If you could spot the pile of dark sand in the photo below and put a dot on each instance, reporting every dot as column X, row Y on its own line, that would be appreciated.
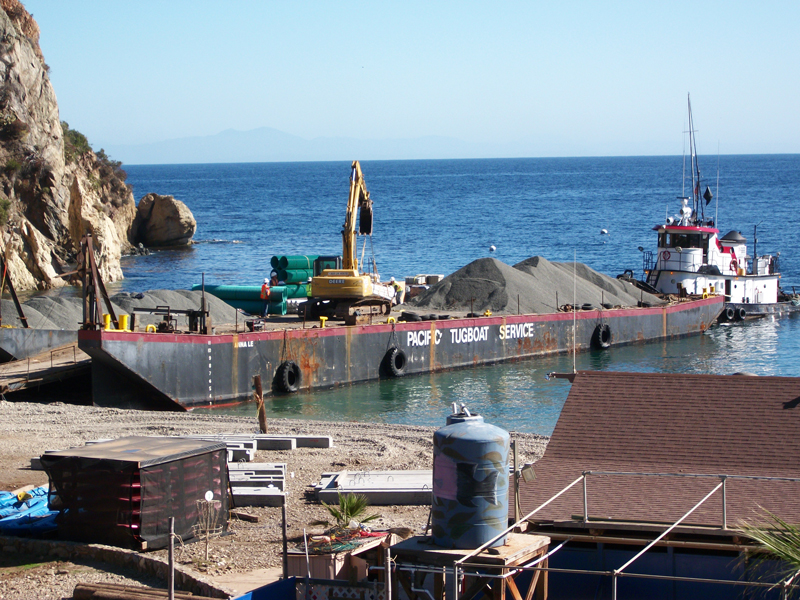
column 534, row 285
column 220, row 312
column 66, row 312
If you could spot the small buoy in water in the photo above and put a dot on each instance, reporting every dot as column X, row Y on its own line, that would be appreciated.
column 492, row 248
column 604, row 232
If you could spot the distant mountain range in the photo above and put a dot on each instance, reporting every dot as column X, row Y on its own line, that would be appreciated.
column 267, row 144
column 271, row 145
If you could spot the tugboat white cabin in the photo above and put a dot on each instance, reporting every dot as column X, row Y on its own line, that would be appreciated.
column 693, row 259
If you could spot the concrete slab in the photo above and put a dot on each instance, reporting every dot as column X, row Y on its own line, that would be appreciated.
column 239, row 448
column 380, row 487
column 267, row 441
column 257, row 496
column 246, row 480
column 260, row 468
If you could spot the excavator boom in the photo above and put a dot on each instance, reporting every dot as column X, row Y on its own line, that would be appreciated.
column 346, row 293
column 358, row 200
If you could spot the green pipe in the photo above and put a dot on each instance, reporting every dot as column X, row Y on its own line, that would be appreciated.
column 295, row 290
column 232, row 292
column 297, row 262
column 295, row 275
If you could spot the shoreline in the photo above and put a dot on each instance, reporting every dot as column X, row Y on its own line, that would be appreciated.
column 30, row 428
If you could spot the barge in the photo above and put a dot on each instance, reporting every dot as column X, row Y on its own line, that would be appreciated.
column 181, row 371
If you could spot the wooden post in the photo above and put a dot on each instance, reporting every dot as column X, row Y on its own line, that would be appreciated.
column 285, row 539
column 171, row 554
column 387, row 572
column 262, row 414
column 7, row 278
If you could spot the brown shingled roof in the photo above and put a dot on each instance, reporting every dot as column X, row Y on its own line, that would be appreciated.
column 655, row 422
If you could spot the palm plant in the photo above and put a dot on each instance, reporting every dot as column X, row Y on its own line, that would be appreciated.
column 779, row 540
column 351, row 508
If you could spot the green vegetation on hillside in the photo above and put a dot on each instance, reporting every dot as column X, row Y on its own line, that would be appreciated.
column 5, row 204
column 75, row 143
column 110, row 171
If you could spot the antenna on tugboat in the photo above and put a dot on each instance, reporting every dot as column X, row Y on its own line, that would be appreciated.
column 697, row 206
column 574, row 302
column 683, row 175
column 716, row 204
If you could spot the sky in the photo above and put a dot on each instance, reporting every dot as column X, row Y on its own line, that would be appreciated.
column 569, row 78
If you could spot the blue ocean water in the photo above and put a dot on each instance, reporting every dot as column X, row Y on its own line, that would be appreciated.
column 435, row 216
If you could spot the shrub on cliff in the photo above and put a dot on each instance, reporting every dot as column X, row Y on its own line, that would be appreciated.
column 5, row 204
column 110, row 175
column 75, row 143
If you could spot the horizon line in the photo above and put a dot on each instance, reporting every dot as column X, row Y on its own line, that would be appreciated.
column 262, row 162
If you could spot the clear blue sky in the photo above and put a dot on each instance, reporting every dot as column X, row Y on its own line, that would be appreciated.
column 566, row 78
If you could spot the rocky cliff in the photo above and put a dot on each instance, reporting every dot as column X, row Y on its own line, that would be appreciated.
column 52, row 190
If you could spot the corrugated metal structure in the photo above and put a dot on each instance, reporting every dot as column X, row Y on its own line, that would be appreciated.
column 123, row 492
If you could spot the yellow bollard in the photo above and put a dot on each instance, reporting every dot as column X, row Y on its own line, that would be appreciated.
column 391, row 320
column 107, row 322
column 322, row 322
column 150, row 328
column 123, row 322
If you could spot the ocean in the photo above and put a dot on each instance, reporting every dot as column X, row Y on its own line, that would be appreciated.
column 435, row 216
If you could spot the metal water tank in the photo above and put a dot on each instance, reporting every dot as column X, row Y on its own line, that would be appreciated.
column 470, row 482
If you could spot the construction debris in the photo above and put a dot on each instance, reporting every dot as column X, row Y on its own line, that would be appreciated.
column 257, row 484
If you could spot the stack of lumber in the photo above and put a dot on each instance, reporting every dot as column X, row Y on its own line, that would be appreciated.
column 113, row 591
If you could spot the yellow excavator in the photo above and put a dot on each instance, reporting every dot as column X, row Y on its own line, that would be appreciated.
column 348, row 294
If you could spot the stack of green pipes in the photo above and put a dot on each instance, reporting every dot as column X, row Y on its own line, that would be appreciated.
column 293, row 269
column 248, row 297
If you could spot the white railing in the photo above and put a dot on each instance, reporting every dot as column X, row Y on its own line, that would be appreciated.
column 462, row 568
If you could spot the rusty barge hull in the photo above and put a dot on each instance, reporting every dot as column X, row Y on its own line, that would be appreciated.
column 184, row 371
column 18, row 343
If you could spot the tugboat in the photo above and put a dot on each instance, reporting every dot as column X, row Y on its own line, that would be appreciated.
column 693, row 260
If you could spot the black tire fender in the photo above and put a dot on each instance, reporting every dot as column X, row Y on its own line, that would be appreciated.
column 741, row 314
column 729, row 313
column 287, row 377
column 601, row 338
column 395, row 362
column 409, row 316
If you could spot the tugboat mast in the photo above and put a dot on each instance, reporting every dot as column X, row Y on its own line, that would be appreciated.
column 697, row 206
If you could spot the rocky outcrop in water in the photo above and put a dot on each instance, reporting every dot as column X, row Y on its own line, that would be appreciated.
column 163, row 221
column 53, row 187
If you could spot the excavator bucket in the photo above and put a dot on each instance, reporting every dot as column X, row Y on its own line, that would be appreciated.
column 365, row 219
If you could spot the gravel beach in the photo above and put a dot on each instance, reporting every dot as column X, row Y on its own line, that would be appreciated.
column 28, row 429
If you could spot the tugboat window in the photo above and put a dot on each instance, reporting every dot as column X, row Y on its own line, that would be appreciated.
column 683, row 240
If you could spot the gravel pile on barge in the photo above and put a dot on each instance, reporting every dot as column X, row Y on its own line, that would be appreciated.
column 534, row 285
column 62, row 312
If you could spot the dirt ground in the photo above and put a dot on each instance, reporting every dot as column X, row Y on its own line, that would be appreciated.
column 252, row 551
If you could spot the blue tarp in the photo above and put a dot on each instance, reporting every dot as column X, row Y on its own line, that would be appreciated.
column 285, row 589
